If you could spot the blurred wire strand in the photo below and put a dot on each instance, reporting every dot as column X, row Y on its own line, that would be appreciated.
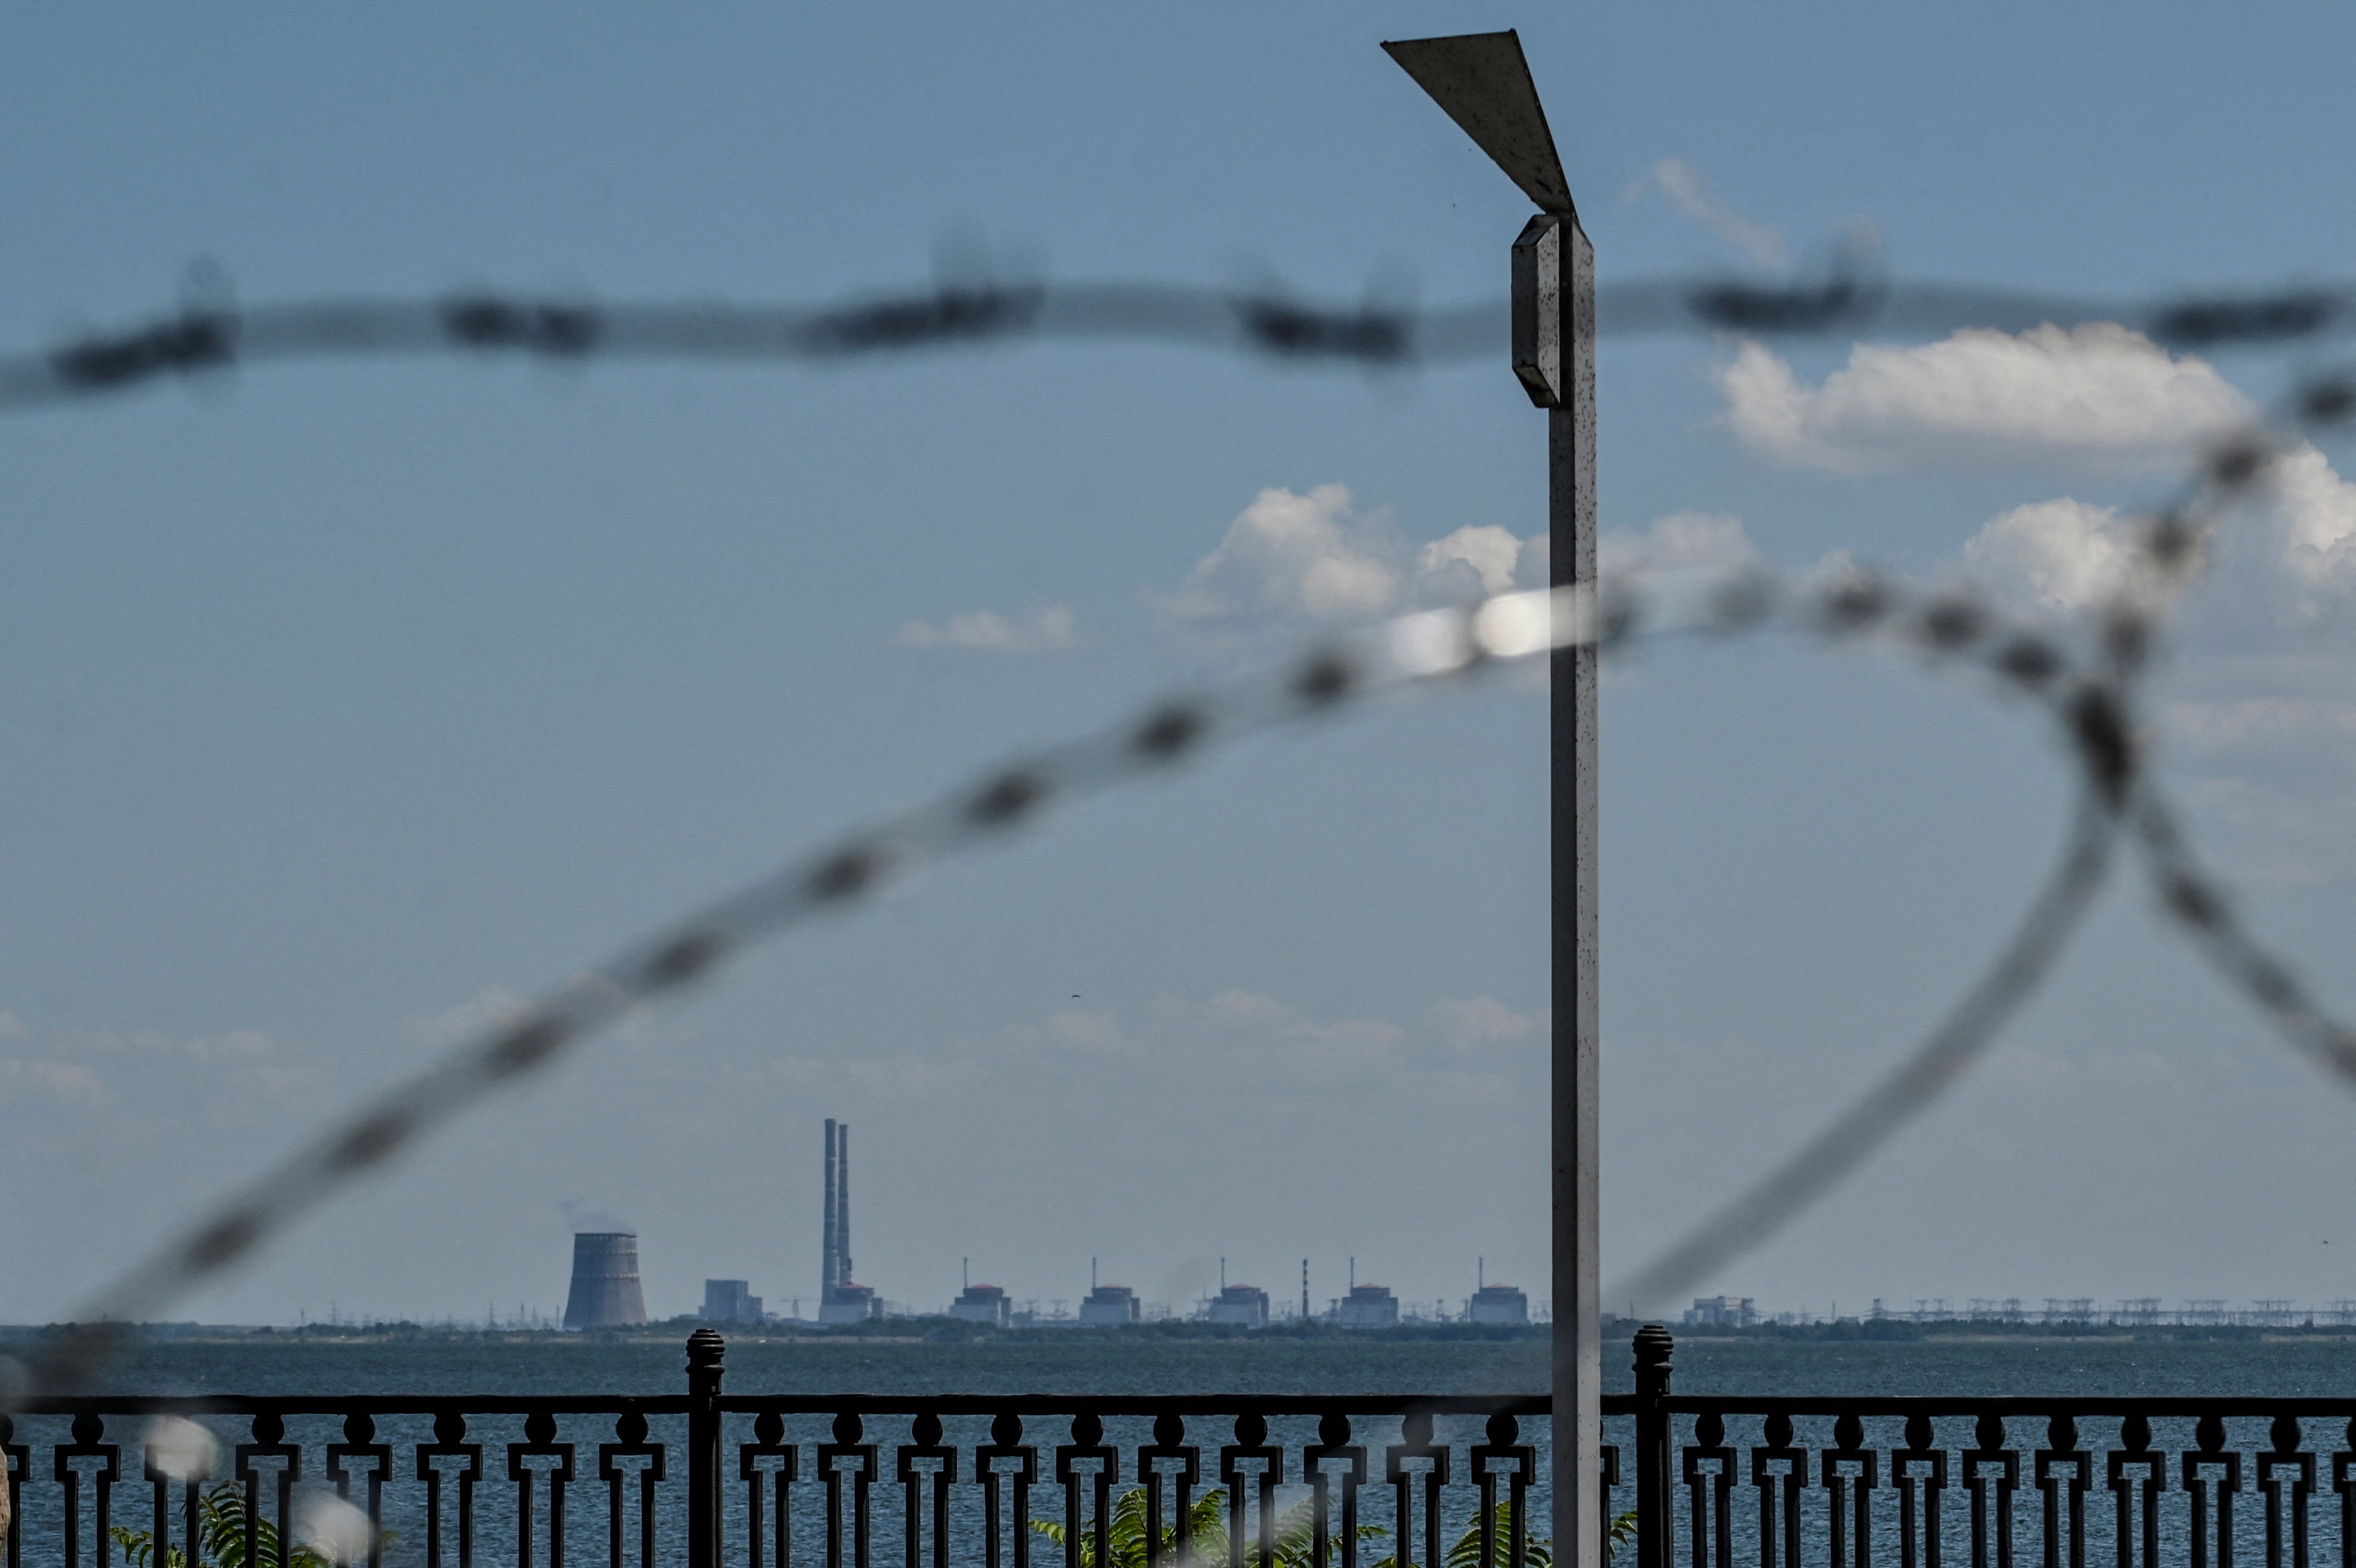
column 209, row 334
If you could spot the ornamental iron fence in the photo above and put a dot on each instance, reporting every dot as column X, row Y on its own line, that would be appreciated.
column 708, row 1478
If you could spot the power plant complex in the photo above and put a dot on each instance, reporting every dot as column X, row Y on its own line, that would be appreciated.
column 607, row 1292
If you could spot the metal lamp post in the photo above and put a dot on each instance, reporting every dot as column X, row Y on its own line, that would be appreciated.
column 1483, row 82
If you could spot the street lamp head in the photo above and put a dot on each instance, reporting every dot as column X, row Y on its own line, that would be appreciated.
column 1483, row 82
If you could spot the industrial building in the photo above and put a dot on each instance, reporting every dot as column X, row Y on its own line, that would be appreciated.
column 1495, row 1303
column 1722, row 1312
column 981, row 1304
column 1498, row 1304
column 1244, row 1305
column 1108, row 1306
column 605, row 1292
column 840, row 1300
column 729, row 1300
column 1367, row 1306
column 984, row 1303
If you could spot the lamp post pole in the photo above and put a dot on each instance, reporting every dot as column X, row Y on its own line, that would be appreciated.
column 1483, row 82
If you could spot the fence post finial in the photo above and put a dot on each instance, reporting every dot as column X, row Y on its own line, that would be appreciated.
column 705, row 1352
column 1654, row 1346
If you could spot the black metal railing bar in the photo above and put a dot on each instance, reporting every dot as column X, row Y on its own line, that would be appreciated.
column 928, row 1481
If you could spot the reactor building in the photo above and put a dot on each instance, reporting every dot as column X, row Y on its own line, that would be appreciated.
column 731, row 1301
column 840, row 1300
column 605, row 1292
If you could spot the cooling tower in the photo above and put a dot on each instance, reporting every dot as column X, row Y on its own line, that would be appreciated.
column 606, row 1293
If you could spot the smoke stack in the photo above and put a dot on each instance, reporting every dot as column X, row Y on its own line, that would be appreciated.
column 829, row 1275
column 843, row 1274
column 605, row 1292
column 843, row 1300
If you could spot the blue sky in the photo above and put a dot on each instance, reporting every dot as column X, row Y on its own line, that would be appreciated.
column 345, row 700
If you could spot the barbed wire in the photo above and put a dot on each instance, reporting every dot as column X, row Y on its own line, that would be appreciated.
column 2116, row 792
column 1942, row 1060
column 1421, row 651
column 2092, row 696
column 1945, row 627
column 209, row 334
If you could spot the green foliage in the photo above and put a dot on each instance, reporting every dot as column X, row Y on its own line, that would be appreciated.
column 1206, row 1521
column 1466, row 1553
column 220, row 1527
column 1538, row 1551
column 1295, row 1536
column 1622, row 1533
column 1125, row 1532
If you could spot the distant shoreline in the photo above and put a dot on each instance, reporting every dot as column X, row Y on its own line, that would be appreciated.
column 1966, row 1331
column 896, row 1330
column 949, row 1330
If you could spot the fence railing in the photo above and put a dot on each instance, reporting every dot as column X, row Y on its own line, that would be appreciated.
column 707, row 1478
column 1918, row 1482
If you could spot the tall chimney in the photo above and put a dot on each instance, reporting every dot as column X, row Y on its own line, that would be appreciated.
column 843, row 1206
column 605, row 1292
column 830, row 1275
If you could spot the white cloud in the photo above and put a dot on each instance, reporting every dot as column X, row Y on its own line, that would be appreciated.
column 2294, row 543
column 1481, row 1021
column 1043, row 628
column 2093, row 399
column 2229, row 725
column 2260, row 712
column 2059, row 555
column 1354, row 1049
column 1682, row 184
column 1294, row 555
column 2246, row 723
column 492, row 1006
column 1092, row 1034
column 2267, row 826
column 136, row 1076
column 1683, row 540
column 2317, row 512
column 1244, row 1009
column 69, row 1083
column 1231, row 1035
column 1489, row 553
